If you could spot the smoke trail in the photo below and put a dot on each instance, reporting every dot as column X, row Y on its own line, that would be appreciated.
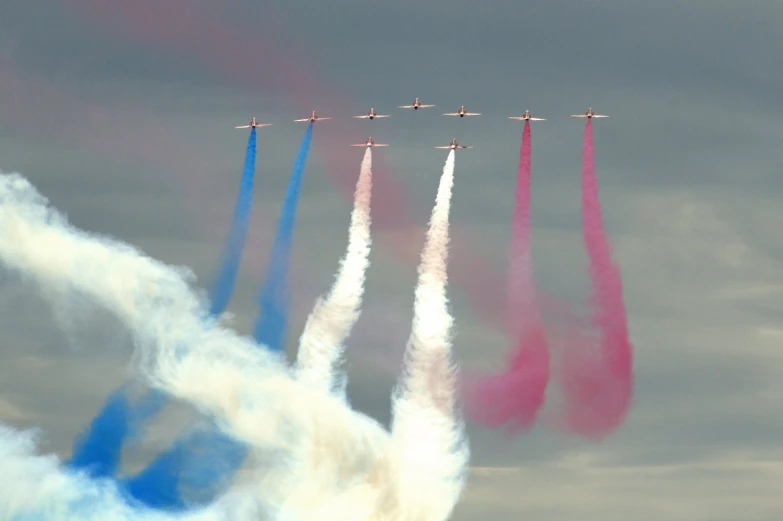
column 197, row 467
column 599, row 386
column 514, row 397
column 224, row 285
column 331, row 321
column 522, row 307
column 99, row 449
column 427, row 432
column 272, row 321
column 351, row 469
column 204, row 460
column 188, row 27
column 35, row 489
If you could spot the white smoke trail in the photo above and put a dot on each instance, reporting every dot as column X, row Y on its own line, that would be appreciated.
column 180, row 351
column 329, row 324
column 428, row 436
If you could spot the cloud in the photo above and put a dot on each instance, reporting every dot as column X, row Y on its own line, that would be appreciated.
column 691, row 200
column 493, row 471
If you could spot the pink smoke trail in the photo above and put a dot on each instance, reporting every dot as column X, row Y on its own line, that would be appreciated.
column 514, row 397
column 598, row 385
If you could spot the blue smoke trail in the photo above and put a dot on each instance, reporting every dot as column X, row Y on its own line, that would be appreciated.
column 188, row 466
column 196, row 467
column 273, row 317
column 224, row 285
column 98, row 451
column 203, row 462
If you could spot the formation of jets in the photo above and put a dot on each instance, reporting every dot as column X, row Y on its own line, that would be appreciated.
column 416, row 105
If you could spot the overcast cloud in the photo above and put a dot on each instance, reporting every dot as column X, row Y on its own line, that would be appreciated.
column 137, row 141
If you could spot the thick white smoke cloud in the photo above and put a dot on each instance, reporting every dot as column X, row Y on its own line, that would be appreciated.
column 329, row 324
column 328, row 462
column 427, row 432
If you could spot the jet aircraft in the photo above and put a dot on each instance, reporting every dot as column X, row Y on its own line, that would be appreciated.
column 527, row 117
column 589, row 114
column 461, row 113
column 453, row 145
column 371, row 115
column 313, row 117
column 370, row 143
column 254, row 124
column 416, row 105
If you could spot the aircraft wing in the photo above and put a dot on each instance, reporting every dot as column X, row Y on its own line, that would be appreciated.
column 379, row 145
column 405, row 107
column 320, row 118
column 449, row 146
column 463, row 147
column 472, row 114
column 243, row 126
column 578, row 115
column 600, row 116
column 452, row 114
column 361, row 145
column 537, row 119
column 382, row 116
column 306, row 119
column 361, row 117
column 425, row 106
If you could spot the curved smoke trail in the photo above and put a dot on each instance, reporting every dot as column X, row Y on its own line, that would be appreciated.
column 272, row 321
column 35, row 488
column 428, row 435
column 194, row 470
column 203, row 461
column 331, row 321
column 598, row 386
column 99, row 449
column 352, row 470
column 514, row 397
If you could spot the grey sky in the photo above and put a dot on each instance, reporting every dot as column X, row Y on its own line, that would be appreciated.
column 691, row 203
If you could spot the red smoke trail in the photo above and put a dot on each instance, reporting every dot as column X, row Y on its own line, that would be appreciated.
column 514, row 397
column 598, row 385
column 257, row 59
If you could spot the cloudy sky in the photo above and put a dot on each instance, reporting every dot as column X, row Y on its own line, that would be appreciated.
column 122, row 113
